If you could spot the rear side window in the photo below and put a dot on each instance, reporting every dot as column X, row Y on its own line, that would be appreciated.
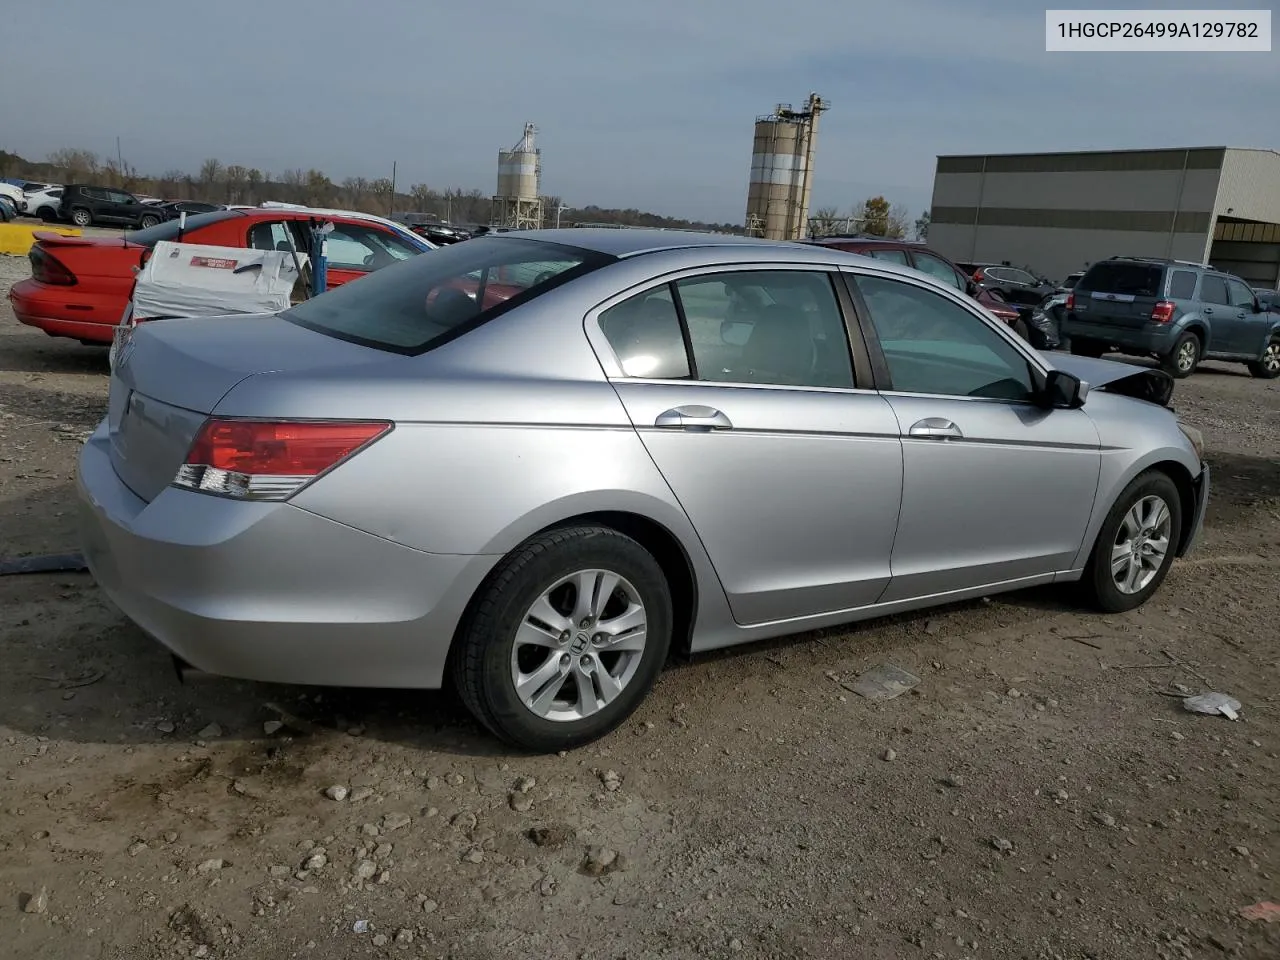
column 1214, row 290
column 1182, row 285
column 939, row 270
column 893, row 256
column 645, row 333
column 1134, row 279
column 420, row 303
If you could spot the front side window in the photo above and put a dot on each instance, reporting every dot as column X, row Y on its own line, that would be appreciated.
column 934, row 267
column 355, row 247
column 122, row 198
column 423, row 301
column 774, row 327
column 1241, row 296
column 1214, row 290
column 935, row 346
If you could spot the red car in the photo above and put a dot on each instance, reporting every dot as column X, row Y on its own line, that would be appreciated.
column 80, row 286
column 921, row 258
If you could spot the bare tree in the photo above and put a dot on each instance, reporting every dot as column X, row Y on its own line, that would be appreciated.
column 896, row 222
column 319, row 190
column 253, row 180
column 236, row 177
column 922, row 225
column 74, row 165
column 381, row 190
column 825, row 222
column 210, row 174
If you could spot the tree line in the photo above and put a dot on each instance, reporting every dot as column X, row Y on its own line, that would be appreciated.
column 875, row 216
column 231, row 183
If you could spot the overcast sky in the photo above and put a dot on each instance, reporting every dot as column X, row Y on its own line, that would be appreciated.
column 646, row 104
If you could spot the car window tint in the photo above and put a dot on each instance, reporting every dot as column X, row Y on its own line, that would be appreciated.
column 115, row 196
column 936, row 268
column 1182, row 285
column 893, row 256
column 1020, row 276
column 1241, row 296
column 1133, row 279
column 933, row 345
column 357, row 247
column 416, row 303
column 776, row 327
column 1214, row 290
column 644, row 332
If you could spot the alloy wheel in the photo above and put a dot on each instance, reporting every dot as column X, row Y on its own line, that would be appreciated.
column 1271, row 358
column 579, row 645
column 1141, row 544
column 1186, row 356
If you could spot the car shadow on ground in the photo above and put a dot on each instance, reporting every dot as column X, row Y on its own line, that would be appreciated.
column 72, row 667
column 53, row 355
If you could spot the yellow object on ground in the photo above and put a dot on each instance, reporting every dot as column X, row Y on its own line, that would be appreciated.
column 17, row 238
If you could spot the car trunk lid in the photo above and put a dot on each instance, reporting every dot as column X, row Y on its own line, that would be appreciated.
column 169, row 375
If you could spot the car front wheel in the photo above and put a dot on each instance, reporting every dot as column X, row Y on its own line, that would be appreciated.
column 1268, row 366
column 81, row 218
column 565, row 638
column 1136, row 545
column 147, row 222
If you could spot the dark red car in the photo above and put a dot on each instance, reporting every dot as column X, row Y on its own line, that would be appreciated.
column 80, row 286
column 918, row 256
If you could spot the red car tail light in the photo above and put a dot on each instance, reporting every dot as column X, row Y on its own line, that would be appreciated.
column 270, row 460
column 1162, row 312
column 1071, row 301
column 978, row 275
column 46, row 268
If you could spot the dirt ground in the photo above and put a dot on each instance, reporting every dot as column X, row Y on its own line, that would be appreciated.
column 1034, row 797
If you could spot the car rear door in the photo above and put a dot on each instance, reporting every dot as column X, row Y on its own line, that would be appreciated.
column 741, row 385
column 996, row 489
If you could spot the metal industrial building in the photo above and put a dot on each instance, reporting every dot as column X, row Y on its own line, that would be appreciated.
column 1058, row 212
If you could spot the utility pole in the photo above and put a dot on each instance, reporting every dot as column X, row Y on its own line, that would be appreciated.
column 560, row 208
column 392, row 204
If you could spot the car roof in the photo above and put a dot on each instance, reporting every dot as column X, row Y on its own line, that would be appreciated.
column 632, row 241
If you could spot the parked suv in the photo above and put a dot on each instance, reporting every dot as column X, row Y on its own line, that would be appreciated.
column 86, row 205
column 918, row 256
column 1176, row 311
column 1017, row 286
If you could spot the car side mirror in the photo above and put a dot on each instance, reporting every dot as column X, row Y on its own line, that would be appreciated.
column 1063, row 391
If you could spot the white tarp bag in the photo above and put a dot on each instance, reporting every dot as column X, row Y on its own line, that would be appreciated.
column 195, row 280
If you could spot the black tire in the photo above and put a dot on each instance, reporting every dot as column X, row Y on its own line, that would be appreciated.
column 1021, row 329
column 1087, row 348
column 1182, row 360
column 81, row 217
column 1268, row 368
column 148, row 221
column 1098, row 585
column 47, row 214
column 482, row 660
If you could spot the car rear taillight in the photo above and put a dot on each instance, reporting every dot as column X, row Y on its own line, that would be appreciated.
column 270, row 460
column 978, row 275
column 1162, row 312
column 47, row 268
column 1071, row 301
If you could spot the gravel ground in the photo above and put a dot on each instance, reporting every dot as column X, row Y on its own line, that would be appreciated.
column 1034, row 797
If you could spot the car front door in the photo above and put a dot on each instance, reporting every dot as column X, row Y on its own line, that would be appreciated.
column 741, row 386
column 1247, row 332
column 996, row 489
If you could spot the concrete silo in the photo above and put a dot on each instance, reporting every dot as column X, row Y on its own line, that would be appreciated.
column 782, row 171
column 518, row 203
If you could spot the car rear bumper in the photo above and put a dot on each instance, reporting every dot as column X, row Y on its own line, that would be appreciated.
column 1197, row 517
column 62, row 314
column 267, row 591
column 1146, row 339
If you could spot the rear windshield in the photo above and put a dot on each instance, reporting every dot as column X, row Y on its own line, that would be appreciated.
column 1134, row 279
column 169, row 229
column 420, row 303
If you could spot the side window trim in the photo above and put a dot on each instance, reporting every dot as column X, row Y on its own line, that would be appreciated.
column 855, row 342
column 880, row 366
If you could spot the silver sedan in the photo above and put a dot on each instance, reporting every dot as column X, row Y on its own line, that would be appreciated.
column 538, row 463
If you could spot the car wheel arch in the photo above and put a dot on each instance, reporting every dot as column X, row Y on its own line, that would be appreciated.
column 662, row 543
column 1201, row 332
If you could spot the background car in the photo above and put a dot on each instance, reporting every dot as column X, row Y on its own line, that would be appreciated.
column 1015, row 285
column 918, row 256
column 8, row 211
column 441, row 233
column 651, row 441
column 175, row 208
column 1070, row 282
column 1177, row 311
column 79, row 286
column 86, row 205
column 42, row 204
column 1269, row 299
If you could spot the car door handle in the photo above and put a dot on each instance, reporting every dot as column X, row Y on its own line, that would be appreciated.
column 693, row 417
column 935, row 428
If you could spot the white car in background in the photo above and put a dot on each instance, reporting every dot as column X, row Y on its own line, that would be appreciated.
column 13, row 193
column 42, row 204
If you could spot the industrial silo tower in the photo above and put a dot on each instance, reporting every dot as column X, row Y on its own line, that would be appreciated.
column 518, row 202
column 782, row 171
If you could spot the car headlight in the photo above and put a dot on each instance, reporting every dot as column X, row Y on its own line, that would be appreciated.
column 1194, row 437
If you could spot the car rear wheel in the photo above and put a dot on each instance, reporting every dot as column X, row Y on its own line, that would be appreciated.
column 1136, row 545
column 565, row 638
column 1183, row 359
column 147, row 222
column 1268, row 367
column 1087, row 348
column 1020, row 328
column 81, row 217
